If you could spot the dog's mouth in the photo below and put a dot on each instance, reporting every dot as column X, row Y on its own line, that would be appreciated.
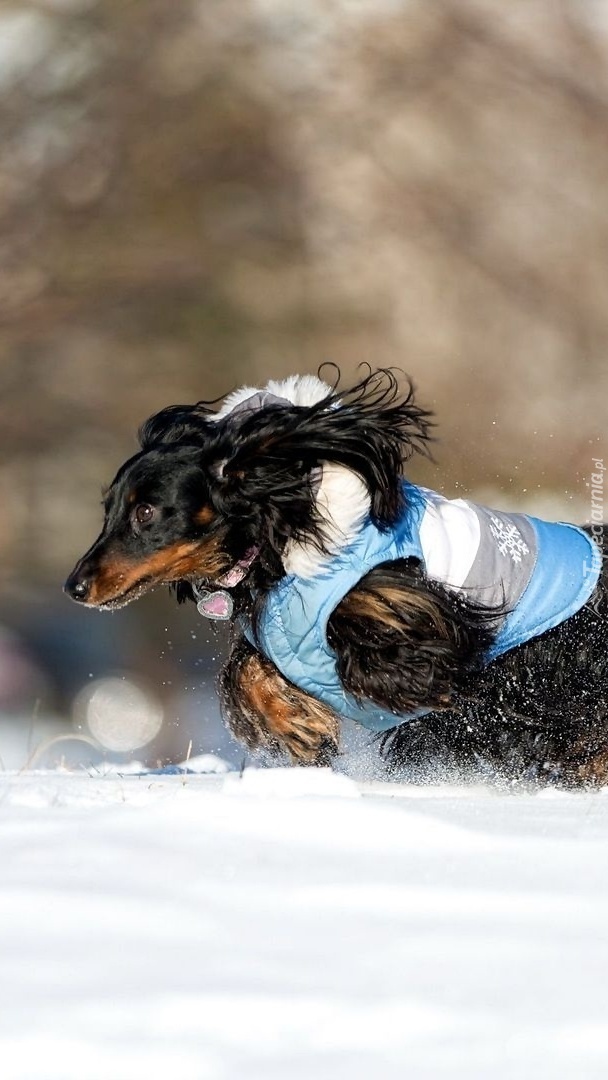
column 143, row 585
column 112, row 582
column 147, row 585
column 134, row 592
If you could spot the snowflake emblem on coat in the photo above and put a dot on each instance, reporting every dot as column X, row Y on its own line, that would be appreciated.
column 509, row 539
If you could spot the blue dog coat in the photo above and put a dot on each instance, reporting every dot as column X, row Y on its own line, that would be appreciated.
column 538, row 574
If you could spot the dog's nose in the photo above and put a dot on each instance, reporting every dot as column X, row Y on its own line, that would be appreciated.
column 77, row 588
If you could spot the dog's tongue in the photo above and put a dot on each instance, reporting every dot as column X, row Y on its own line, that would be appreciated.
column 215, row 605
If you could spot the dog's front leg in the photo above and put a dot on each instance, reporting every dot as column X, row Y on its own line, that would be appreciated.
column 265, row 711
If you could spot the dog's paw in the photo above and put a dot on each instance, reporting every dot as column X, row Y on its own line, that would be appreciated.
column 274, row 715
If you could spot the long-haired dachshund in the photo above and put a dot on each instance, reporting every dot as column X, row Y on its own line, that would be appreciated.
column 472, row 639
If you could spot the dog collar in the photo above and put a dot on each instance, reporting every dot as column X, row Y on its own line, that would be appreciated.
column 217, row 603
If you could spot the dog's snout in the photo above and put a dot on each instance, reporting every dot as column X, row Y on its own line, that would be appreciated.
column 77, row 587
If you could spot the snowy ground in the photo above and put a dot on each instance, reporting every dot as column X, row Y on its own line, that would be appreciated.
column 294, row 924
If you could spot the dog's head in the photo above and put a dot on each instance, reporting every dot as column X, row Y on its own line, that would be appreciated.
column 284, row 471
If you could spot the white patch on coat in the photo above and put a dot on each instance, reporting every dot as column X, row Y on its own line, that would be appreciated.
column 450, row 537
column 342, row 503
column 298, row 389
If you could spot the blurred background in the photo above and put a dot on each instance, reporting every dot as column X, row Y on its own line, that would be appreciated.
column 199, row 194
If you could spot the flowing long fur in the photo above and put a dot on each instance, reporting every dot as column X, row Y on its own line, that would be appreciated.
column 265, row 711
column 288, row 472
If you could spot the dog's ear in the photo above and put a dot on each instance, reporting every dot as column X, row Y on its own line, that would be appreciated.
column 177, row 423
column 370, row 429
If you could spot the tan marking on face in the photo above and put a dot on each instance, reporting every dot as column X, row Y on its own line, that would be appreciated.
column 183, row 559
column 205, row 515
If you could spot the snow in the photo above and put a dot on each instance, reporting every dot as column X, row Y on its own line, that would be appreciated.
column 296, row 924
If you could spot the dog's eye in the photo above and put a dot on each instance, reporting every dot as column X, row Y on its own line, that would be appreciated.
column 143, row 514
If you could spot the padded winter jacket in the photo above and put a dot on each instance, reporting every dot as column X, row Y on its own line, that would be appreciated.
column 536, row 572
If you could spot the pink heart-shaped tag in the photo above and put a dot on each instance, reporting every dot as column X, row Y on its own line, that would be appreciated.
column 216, row 605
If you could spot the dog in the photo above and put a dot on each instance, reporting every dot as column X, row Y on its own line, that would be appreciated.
column 467, row 640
